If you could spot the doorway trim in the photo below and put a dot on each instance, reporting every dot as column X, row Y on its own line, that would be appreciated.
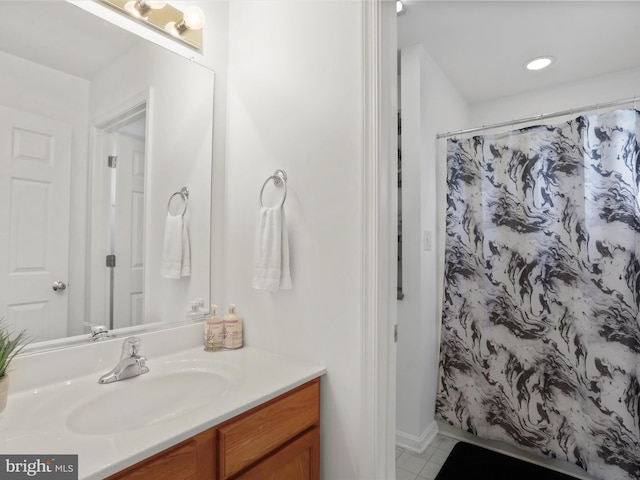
column 379, row 240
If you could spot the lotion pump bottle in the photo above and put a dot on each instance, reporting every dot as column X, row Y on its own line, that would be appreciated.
column 213, row 331
column 233, row 329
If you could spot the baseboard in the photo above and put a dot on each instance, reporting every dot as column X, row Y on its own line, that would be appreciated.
column 417, row 444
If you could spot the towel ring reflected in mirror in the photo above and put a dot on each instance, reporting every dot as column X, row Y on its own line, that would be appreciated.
column 279, row 178
column 184, row 194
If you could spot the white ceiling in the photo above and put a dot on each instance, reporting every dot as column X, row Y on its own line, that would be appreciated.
column 482, row 46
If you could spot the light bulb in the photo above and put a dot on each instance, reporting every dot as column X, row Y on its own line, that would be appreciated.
column 193, row 17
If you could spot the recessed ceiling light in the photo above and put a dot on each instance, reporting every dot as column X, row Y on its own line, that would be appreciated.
column 539, row 63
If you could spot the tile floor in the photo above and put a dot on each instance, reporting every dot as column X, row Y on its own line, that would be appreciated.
column 425, row 466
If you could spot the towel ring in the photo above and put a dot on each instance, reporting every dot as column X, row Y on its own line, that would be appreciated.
column 279, row 177
column 184, row 194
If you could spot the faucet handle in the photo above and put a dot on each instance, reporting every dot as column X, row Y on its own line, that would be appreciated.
column 98, row 330
column 130, row 347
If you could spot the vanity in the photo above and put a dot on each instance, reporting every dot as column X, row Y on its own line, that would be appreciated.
column 278, row 439
column 238, row 414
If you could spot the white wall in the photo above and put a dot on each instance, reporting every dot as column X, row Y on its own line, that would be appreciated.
column 295, row 102
column 591, row 91
column 430, row 104
column 34, row 88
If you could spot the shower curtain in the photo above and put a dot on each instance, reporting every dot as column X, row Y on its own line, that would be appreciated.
column 540, row 342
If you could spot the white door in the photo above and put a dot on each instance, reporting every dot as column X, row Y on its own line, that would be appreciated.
column 129, row 233
column 35, row 166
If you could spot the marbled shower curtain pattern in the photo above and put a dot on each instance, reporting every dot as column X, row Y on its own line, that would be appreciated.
column 540, row 342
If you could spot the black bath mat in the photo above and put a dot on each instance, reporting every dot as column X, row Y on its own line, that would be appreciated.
column 470, row 462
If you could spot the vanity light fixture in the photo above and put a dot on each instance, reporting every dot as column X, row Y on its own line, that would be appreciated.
column 400, row 8
column 185, row 26
column 539, row 63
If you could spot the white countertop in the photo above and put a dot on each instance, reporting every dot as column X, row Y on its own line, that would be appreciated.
column 37, row 420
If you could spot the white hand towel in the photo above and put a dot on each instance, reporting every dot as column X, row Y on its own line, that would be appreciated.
column 271, row 268
column 176, row 253
column 185, row 269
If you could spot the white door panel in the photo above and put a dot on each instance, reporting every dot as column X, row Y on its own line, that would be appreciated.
column 129, row 233
column 35, row 166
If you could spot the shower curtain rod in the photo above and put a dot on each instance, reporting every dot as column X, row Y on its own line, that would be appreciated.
column 540, row 117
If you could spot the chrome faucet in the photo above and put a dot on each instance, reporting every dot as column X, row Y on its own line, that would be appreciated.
column 130, row 365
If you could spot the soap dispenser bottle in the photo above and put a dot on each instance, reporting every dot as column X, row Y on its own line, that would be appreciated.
column 213, row 331
column 232, row 329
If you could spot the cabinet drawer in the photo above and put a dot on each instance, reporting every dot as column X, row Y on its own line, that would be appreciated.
column 249, row 437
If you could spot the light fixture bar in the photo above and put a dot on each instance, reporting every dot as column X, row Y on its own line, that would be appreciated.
column 164, row 18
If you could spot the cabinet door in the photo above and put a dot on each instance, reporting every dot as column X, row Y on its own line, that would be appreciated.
column 246, row 439
column 299, row 460
column 193, row 459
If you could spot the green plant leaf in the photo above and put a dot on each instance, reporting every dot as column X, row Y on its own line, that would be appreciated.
column 10, row 346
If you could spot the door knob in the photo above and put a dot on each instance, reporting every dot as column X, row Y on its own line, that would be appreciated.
column 59, row 286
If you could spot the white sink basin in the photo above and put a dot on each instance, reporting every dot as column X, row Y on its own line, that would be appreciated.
column 146, row 400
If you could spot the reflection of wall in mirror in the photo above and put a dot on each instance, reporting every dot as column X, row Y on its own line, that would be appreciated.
column 179, row 147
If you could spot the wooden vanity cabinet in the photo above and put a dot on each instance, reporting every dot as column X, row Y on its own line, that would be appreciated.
column 279, row 439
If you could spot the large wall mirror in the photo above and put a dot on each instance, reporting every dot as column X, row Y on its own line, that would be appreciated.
column 100, row 131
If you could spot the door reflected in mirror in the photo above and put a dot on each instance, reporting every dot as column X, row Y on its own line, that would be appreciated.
column 76, row 91
column 124, row 198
